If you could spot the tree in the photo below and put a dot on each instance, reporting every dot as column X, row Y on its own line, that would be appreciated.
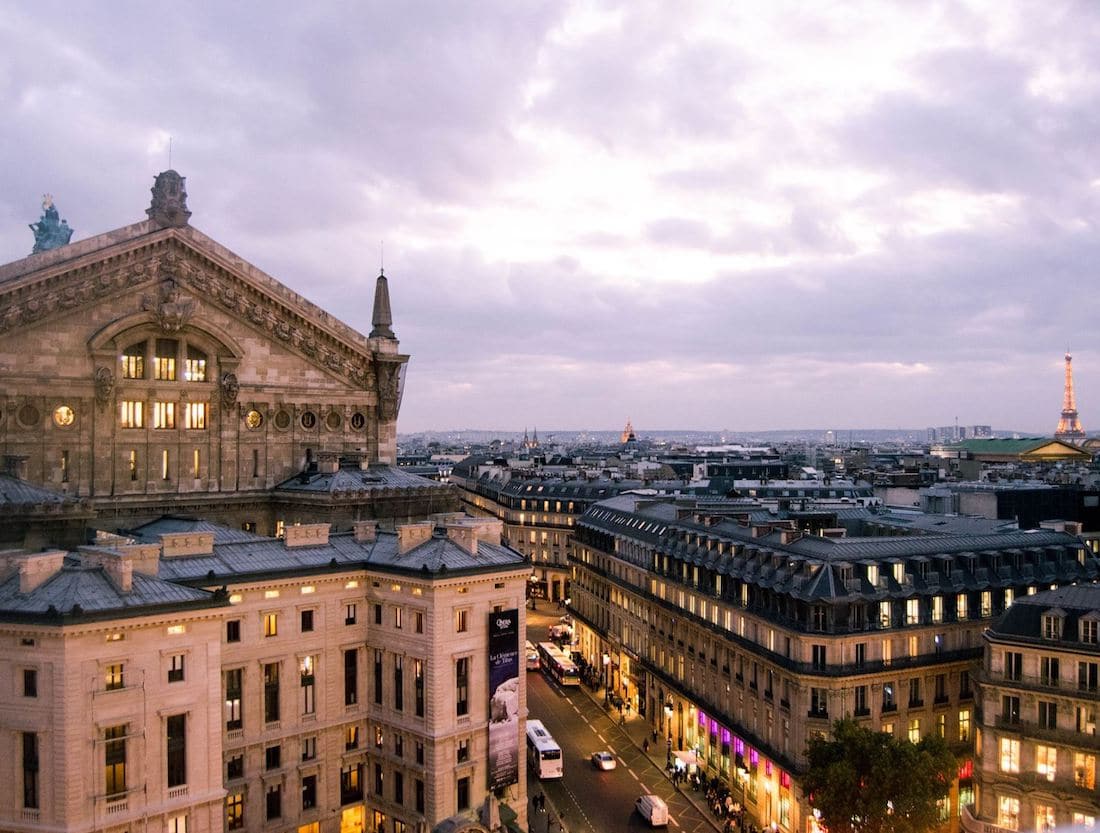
column 864, row 781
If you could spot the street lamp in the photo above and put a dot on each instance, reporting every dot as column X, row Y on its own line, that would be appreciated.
column 680, row 734
column 668, row 716
column 606, row 676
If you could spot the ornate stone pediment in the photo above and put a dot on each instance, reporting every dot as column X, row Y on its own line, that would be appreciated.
column 177, row 267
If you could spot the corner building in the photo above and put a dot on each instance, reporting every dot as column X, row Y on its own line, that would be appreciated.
column 1040, row 693
column 740, row 640
column 191, row 678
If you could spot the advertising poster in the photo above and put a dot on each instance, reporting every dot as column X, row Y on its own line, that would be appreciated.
column 503, row 698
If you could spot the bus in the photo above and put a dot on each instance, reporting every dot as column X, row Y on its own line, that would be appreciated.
column 558, row 664
column 532, row 655
column 543, row 752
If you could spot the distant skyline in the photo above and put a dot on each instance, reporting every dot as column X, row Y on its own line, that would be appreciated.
column 756, row 216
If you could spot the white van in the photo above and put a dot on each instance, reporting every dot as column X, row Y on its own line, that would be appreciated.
column 653, row 809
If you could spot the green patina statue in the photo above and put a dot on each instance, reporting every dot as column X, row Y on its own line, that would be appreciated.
column 50, row 231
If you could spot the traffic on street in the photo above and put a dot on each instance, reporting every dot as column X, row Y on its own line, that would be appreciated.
column 593, row 796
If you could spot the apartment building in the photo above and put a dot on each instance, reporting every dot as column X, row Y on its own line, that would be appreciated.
column 1035, row 768
column 741, row 640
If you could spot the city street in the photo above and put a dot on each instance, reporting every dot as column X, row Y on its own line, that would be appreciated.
column 586, row 799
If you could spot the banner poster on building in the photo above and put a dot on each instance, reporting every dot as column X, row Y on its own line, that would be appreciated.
column 503, row 698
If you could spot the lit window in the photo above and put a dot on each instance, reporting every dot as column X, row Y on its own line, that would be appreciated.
column 1008, row 812
column 914, row 730
column 164, row 414
column 112, row 677
column 961, row 607
column 131, row 414
column 195, row 369
column 271, row 624
column 1010, row 755
column 1046, row 761
column 133, row 362
column 63, row 416
column 164, row 362
column 194, row 415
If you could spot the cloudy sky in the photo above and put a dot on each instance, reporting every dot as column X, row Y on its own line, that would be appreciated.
column 742, row 215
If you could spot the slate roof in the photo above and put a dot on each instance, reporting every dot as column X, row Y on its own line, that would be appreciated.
column 355, row 480
column 1023, row 620
column 169, row 524
column 807, row 567
column 78, row 591
column 16, row 493
column 82, row 592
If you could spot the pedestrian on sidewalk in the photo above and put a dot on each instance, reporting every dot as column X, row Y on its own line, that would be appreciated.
column 645, row 746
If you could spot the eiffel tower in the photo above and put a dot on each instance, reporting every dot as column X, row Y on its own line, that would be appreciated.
column 1069, row 426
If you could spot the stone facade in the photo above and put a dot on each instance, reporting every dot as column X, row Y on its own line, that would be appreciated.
column 316, row 677
column 150, row 367
column 1035, row 770
column 743, row 640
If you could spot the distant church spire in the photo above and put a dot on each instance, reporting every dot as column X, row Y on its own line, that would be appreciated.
column 382, row 319
column 1069, row 426
column 628, row 435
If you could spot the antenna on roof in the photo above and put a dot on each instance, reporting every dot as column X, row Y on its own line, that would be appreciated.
column 381, row 257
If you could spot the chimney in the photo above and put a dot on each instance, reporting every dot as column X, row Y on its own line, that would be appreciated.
column 365, row 531
column 306, row 535
column 464, row 536
column 37, row 568
column 789, row 536
column 118, row 565
column 760, row 530
column 410, row 536
column 836, row 532
column 178, row 544
column 328, row 462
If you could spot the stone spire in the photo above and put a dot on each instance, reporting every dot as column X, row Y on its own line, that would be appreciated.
column 382, row 319
column 169, row 206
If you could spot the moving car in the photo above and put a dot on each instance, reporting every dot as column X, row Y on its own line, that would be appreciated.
column 603, row 760
column 653, row 809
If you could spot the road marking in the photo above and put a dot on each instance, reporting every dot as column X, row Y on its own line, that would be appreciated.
column 673, row 822
column 594, row 729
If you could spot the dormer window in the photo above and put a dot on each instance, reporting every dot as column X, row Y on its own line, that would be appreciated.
column 872, row 574
column 1089, row 628
column 164, row 362
column 133, row 361
column 1052, row 624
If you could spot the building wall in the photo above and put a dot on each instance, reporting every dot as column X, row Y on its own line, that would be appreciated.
column 74, row 708
column 1020, row 786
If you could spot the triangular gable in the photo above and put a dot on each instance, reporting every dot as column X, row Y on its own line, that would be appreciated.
column 184, row 261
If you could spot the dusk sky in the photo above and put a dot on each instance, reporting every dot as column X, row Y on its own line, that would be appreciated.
column 738, row 215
